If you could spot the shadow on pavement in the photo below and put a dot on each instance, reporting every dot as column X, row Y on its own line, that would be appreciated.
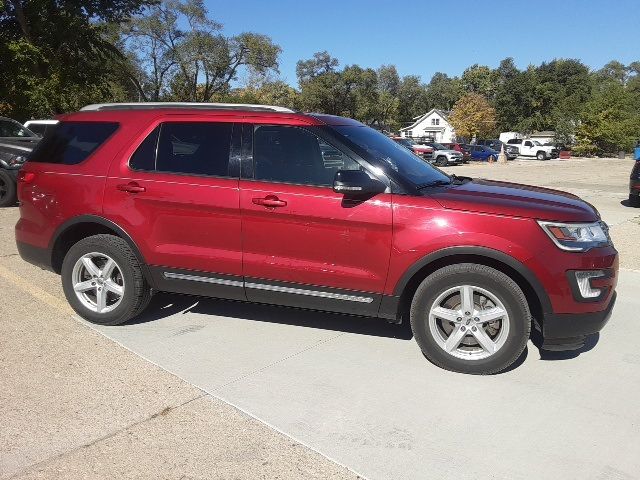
column 164, row 305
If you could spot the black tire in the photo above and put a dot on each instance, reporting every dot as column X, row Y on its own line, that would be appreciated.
column 634, row 200
column 494, row 281
column 541, row 155
column 137, row 292
column 7, row 190
column 441, row 161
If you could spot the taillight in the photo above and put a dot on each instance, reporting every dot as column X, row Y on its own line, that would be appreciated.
column 26, row 177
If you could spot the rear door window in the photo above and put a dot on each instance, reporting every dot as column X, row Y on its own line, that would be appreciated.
column 70, row 143
column 196, row 148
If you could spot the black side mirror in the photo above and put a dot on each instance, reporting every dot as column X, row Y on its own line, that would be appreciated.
column 356, row 183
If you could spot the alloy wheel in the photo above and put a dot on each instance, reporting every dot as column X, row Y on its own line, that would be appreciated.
column 469, row 322
column 98, row 282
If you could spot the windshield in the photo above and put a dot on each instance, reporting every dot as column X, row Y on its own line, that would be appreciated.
column 381, row 151
column 537, row 143
column 439, row 146
column 404, row 141
column 11, row 128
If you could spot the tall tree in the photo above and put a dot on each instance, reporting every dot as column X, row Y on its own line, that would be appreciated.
column 56, row 55
column 443, row 92
column 194, row 63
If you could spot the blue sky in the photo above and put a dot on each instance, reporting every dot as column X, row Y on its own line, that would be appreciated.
column 445, row 35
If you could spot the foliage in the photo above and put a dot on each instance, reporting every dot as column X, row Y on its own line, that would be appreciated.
column 473, row 117
column 194, row 63
column 55, row 55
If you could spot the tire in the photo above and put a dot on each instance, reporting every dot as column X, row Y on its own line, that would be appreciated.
column 441, row 161
column 541, row 156
column 7, row 190
column 634, row 200
column 126, row 274
column 508, row 336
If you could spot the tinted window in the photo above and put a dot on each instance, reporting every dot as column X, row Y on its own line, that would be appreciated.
column 70, row 143
column 295, row 155
column 11, row 128
column 38, row 128
column 195, row 148
column 145, row 156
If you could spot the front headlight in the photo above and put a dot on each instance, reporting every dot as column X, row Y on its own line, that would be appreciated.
column 577, row 237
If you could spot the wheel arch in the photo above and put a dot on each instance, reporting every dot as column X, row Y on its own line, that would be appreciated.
column 537, row 298
column 85, row 226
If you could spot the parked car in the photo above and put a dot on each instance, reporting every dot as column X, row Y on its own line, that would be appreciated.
column 13, row 154
column 13, row 130
column 511, row 151
column 40, row 127
column 443, row 156
column 460, row 147
column 423, row 151
column 634, row 185
column 482, row 153
column 236, row 202
column 533, row 148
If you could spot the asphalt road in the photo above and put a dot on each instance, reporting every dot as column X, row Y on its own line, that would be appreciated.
column 75, row 404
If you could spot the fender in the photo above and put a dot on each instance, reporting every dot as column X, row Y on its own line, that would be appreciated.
column 497, row 255
column 112, row 226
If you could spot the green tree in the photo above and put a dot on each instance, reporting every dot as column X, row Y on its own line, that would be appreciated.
column 442, row 92
column 480, row 79
column 472, row 117
column 194, row 63
column 56, row 55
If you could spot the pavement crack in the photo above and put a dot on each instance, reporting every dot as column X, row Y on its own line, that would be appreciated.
column 164, row 412
column 283, row 359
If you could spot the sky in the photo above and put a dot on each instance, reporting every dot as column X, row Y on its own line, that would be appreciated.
column 439, row 36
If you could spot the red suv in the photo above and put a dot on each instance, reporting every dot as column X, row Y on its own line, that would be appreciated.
column 268, row 205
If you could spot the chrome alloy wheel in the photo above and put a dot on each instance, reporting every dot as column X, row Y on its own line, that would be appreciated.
column 469, row 322
column 98, row 282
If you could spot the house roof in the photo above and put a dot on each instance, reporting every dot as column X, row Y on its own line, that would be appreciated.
column 442, row 113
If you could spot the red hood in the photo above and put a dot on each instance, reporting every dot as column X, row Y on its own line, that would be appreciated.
column 502, row 198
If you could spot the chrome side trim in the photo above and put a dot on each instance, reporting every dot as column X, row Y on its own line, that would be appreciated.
column 310, row 293
column 196, row 278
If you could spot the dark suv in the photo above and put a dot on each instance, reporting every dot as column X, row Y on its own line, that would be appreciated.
column 265, row 204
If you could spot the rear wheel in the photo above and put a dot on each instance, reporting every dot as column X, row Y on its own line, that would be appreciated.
column 634, row 200
column 103, row 280
column 541, row 156
column 470, row 318
column 7, row 190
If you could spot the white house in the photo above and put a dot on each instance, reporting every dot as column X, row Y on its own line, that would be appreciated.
column 433, row 125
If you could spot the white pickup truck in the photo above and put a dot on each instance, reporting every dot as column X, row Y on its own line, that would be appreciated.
column 533, row 148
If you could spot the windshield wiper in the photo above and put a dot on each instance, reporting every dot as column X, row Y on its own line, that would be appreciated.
column 434, row 183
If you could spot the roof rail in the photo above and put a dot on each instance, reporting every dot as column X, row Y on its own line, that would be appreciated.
column 202, row 106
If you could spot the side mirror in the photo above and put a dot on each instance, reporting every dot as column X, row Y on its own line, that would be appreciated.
column 356, row 183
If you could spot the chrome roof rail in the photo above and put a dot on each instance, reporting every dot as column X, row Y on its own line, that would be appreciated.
column 199, row 106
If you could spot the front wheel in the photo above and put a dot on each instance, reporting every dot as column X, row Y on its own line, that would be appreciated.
column 470, row 318
column 103, row 280
column 441, row 161
column 541, row 156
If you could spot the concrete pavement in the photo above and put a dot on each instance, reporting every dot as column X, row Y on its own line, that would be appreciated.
column 74, row 404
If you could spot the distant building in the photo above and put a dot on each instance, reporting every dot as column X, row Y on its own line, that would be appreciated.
column 546, row 136
column 433, row 126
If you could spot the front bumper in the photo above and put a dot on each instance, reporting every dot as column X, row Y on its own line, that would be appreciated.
column 568, row 331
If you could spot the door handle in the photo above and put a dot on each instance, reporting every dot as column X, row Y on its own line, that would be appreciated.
column 131, row 187
column 270, row 201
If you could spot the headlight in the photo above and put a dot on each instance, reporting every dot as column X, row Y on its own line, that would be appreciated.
column 577, row 237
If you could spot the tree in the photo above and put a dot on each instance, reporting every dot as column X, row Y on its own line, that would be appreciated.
column 442, row 92
column 193, row 64
column 412, row 99
column 479, row 79
column 473, row 117
column 56, row 55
